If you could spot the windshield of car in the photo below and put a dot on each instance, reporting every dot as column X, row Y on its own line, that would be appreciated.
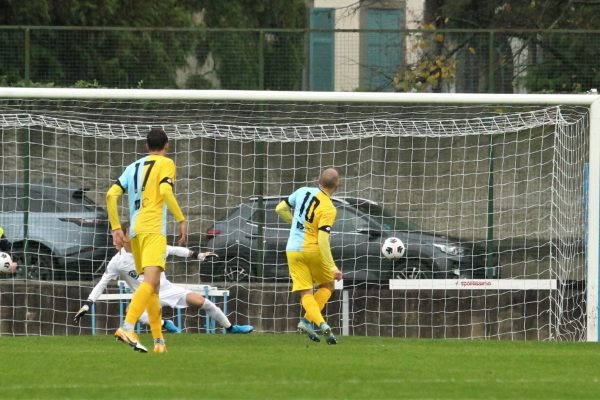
column 387, row 219
column 351, row 220
column 60, row 200
column 270, row 218
column 45, row 199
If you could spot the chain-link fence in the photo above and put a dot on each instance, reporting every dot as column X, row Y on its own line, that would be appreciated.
column 476, row 61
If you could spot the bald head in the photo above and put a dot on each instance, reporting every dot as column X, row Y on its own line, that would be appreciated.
column 329, row 180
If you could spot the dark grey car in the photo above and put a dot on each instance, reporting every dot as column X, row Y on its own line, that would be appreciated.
column 68, row 235
column 251, row 241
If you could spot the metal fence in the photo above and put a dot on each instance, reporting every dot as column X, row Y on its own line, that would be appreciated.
column 502, row 61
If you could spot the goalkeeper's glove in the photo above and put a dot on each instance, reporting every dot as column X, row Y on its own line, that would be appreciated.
column 203, row 256
column 83, row 310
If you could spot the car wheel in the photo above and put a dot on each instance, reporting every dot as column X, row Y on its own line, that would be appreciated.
column 237, row 270
column 212, row 271
column 41, row 264
column 415, row 270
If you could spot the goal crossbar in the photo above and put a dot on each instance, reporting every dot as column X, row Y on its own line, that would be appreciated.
column 270, row 96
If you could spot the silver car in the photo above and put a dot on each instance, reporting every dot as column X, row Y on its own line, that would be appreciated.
column 68, row 235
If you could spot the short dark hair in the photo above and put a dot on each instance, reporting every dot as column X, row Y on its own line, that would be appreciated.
column 156, row 139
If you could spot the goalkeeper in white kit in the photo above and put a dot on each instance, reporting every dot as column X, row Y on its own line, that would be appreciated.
column 122, row 266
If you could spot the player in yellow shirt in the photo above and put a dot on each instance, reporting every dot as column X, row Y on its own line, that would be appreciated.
column 311, row 214
column 149, row 186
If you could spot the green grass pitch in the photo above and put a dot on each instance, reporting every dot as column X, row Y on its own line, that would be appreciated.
column 262, row 366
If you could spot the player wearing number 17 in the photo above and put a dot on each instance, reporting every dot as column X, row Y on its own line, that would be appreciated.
column 308, row 249
column 149, row 185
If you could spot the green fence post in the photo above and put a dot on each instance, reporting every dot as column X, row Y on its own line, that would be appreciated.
column 259, row 154
column 27, row 60
column 25, row 155
column 491, row 59
column 489, row 267
column 261, row 60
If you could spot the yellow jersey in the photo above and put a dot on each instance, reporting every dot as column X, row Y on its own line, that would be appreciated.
column 141, row 181
column 313, row 211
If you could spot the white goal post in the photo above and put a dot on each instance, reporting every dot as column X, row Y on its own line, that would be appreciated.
column 589, row 101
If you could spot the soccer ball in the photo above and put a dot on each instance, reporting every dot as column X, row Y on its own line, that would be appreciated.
column 393, row 248
column 5, row 262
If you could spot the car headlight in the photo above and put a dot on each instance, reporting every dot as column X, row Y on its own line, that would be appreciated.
column 451, row 250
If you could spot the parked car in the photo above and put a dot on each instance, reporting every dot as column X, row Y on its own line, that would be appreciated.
column 388, row 220
column 251, row 239
column 453, row 246
column 68, row 235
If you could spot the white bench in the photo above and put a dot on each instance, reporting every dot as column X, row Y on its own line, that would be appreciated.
column 125, row 295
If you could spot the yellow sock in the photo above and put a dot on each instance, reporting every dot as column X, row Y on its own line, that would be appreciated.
column 311, row 308
column 155, row 316
column 139, row 303
column 321, row 296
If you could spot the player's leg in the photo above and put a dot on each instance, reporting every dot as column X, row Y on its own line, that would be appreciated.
column 153, row 308
column 211, row 309
column 302, row 284
column 314, row 307
column 153, row 261
column 323, row 294
column 167, row 325
column 323, row 277
column 138, row 303
column 149, row 252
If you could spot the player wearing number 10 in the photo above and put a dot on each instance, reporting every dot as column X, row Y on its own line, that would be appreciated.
column 308, row 249
column 149, row 186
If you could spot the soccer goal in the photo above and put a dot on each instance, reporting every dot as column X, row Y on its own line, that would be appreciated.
column 493, row 197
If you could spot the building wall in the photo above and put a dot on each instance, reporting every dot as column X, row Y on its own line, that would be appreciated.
column 348, row 44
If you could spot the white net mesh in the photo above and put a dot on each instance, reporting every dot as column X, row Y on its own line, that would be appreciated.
column 482, row 196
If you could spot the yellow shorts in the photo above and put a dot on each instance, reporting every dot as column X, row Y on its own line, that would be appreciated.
column 149, row 250
column 307, row 269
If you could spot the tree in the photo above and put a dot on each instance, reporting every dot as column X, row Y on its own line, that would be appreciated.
column 238, row 53
column 153, row 58
column 115, row 58
column 554, row 61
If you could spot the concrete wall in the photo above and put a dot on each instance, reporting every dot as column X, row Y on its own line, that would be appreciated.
column 441, row 184
column 34, row 308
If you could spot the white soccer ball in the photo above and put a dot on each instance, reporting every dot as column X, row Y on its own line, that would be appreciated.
column 393, row 248
column 5, row 261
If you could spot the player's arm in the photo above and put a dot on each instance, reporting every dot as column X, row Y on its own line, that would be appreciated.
column 6, row 247
column 4, row 244
column 323, row 240
column 185, row 252
column 284, row 211
column 100, row 287
column 167, row 178
column 166, row 192
column 112, row 198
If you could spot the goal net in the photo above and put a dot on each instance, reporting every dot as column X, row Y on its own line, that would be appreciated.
column 489, row 201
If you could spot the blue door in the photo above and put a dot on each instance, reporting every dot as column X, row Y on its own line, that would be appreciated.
column 383, row 51
column 321, row 50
